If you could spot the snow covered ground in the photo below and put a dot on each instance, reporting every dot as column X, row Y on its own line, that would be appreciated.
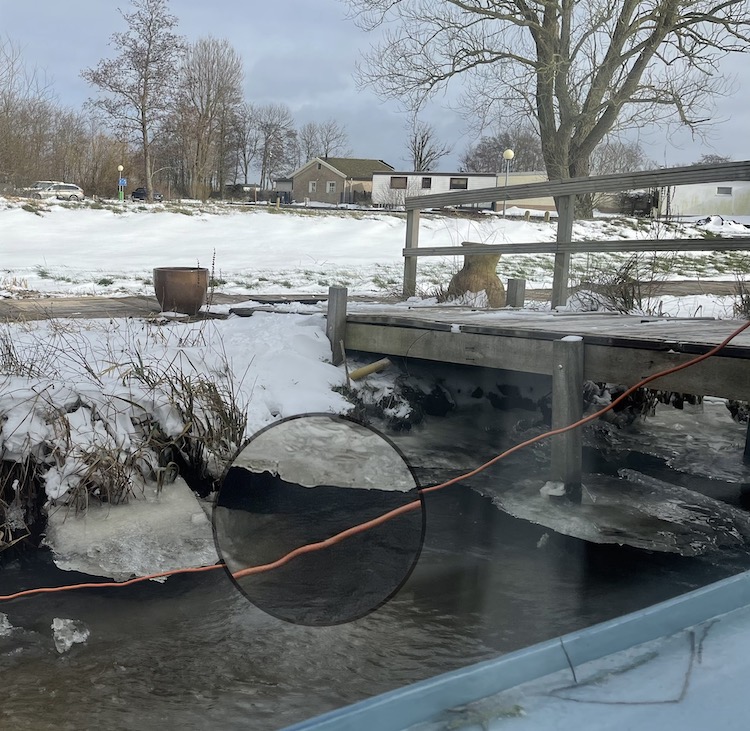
column 72, row 391
column 688, row 680
column 110, row 248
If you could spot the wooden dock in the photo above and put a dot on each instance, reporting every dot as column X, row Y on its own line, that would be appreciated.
column 620, row 349
column 570, row 347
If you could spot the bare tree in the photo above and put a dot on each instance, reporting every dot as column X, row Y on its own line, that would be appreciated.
column 424, row 150
column 247, row 140
column 486, row 156
column 711, row 159
column 210, row 95
column 334, row 141
column 138, row 85
column 309, row 141
column 278, row 148
column 579, row 70
column 323, row 139
column 26, row 103
column 614, row 155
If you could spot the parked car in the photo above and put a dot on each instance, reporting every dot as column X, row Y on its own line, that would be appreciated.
column 61, row 191
column 140, row 194
column 41, row 185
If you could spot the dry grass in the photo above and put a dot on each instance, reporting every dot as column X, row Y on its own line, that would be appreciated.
column 741, row 297
column 633, row 287
column 99, row 448
column 19, row 484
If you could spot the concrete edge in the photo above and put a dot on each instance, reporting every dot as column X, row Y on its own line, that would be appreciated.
column 403, row 707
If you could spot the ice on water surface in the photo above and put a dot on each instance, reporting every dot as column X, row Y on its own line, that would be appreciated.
column 5, row 626
column 68, row 632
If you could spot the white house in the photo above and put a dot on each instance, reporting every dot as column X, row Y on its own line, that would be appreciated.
column 706, row 199
column 391, row 188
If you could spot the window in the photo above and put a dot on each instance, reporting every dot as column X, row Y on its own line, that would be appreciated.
column 312, row 186
column 426, row 182
column 398, row 182
column 459, row 183
column 331, row 186
column 723, row 190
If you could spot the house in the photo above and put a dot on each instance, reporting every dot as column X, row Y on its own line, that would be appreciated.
column 389, row 189
column 707, row 199
column 336, row 180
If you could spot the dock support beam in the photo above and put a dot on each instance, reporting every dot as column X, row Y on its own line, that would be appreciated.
column 746, row 455
column 336, row 322
column 410, row 262
column 516, row 292
column 567, row 408
column 565, row 216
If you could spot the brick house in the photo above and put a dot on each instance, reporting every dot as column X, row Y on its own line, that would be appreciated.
column 336, row 180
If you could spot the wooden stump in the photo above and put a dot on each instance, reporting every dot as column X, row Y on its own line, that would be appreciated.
column 479, row 273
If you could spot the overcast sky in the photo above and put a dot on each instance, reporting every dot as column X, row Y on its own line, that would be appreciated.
column 302, row 53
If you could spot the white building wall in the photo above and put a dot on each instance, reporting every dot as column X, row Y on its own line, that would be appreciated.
column 384, row 195
column 707, row 199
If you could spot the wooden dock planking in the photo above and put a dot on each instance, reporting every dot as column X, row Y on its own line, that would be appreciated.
column 619, row 349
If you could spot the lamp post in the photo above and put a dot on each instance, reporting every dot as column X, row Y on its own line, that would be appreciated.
column 121, row 183
column 507, row 156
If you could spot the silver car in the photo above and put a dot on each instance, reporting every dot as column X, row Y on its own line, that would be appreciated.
column 61, row 191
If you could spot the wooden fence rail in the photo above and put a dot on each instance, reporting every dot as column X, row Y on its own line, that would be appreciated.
column 584, row 247
column 564, row 192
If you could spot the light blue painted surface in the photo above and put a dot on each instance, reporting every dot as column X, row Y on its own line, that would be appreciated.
column 401, row 708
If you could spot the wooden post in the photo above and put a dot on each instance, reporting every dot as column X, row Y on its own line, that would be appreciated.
column 516, row 292
column 746, row 455
column 565, row 216
column 336, row 322
column 567, row 408
column 410, row 262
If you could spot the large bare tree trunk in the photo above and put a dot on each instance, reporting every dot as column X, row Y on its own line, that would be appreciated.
column 578, row 71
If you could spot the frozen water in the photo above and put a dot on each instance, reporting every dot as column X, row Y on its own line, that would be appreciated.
column 322, row 450
column 636, row 510
column 5, row 626
column 68, row 632
column 161, row 531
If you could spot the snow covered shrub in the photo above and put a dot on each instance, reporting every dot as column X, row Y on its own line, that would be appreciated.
column 92, row 461
column 210, row 415
column 97, row 409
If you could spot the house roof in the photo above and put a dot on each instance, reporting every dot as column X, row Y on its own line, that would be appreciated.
column 354, row 167
column 349, row 167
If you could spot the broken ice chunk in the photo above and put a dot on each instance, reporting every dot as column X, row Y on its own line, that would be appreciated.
column 68, row 632
column 552, row 489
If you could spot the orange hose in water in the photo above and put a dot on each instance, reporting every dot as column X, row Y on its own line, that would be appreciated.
column 408, row 507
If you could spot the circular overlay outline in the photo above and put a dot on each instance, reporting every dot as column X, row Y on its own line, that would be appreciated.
column 417, row 485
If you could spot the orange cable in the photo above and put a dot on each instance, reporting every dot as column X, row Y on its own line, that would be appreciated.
column 408, row 507
column 109, row 584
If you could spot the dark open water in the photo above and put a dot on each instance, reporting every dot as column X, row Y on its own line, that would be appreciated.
column 194, row 654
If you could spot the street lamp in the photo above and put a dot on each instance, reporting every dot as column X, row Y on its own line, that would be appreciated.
column 507, row 156
column 121, row 183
